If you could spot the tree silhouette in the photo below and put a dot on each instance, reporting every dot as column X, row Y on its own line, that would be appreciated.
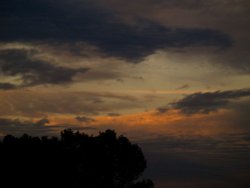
column 74, row 161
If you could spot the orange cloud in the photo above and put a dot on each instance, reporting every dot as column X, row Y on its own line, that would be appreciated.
column 152, row 123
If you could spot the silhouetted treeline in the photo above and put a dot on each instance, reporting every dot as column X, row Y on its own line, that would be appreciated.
column 76, row 160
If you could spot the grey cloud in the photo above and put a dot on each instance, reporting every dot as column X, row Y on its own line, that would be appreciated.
column 73, row 21
column 38, row 128
column 7, row 86
column 207, row 102
column 33, row 71
column 42, row 122
column 215, row 14
column 18, row 122
column 18, row 127
column 84, row 119
column 162, row 109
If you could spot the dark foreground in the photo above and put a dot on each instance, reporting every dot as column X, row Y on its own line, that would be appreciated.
column 75, row 160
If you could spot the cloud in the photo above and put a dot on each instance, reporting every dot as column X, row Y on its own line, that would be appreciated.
column 33, row 71
column 97, row 75
column 74, row 21
column 40, row 127
column 184, row 86
column 113, row 114
column 162, row 109
column 214, row 14
column 208, row 101
column 18, row 127
column 84, row 119
column 6, row 86
column 18, row 122
column 37, row 103
column 42, row 122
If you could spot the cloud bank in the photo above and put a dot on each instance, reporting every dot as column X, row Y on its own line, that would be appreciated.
column 68, row 22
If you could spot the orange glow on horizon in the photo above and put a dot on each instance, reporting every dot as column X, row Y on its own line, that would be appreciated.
column 171, row 122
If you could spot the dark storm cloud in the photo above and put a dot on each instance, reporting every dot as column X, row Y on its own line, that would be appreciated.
column 66, row 21
column 33, row 71
column 208, row 101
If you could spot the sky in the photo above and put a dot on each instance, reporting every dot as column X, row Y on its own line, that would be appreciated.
column 172, row 75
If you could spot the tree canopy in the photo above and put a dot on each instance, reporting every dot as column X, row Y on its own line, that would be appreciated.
column 76, row 160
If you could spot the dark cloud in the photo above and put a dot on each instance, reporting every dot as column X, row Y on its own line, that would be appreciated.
column 208, row 101
column 38, row 128
column 71, row 21
column 42, row 122
column 18, row 122
column 33, row 71
column 6, row 86
column 113, row 114
column 84, row 119
column 162, row 110
column 9, row 122
column 18, row 127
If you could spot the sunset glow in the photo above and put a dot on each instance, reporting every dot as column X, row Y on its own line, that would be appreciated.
column 172, row 75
